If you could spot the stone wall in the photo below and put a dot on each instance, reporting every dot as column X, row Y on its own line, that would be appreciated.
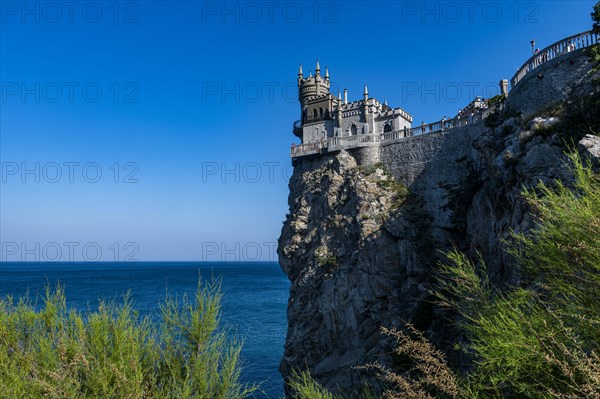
column 365, row 155
column 552, row 82
column 408, row 158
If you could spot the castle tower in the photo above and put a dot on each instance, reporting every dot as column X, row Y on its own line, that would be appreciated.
column 312, row 87
column 316, row 101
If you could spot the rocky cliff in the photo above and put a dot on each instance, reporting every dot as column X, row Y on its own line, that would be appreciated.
column 361, row 242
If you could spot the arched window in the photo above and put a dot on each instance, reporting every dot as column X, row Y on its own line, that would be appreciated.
column 321, row 112
column 387, row 128
column 353, row 130
column 315, row 114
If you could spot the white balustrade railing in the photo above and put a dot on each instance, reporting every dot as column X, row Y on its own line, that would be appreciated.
column 362, row 140
column 571, row 43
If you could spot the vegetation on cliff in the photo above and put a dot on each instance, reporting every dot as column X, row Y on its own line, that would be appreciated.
column 540, row 339
column 595, row 14
column 54, row 352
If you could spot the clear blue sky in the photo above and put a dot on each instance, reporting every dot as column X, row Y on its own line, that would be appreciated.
column 186, row 109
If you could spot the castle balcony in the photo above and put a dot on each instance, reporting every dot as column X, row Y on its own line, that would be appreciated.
column 297, row 129
column 308, row 149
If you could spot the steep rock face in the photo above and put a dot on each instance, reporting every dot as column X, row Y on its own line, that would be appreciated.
column 361, row 252
column 348, row 277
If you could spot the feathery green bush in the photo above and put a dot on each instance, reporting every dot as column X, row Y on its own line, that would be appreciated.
column 540, row 339
column 54, row 352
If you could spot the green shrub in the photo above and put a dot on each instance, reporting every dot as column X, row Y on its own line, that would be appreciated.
column 325, row 259
column 368, row 170
column 542, row 339
column 595, row 14
column 304, row 386
column 112, row 353
column 499, row 98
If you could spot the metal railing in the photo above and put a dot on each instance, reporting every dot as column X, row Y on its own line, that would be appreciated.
column 564, row 46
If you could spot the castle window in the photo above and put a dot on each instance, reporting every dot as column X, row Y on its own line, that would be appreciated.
column 387, row 128
column 353, row 130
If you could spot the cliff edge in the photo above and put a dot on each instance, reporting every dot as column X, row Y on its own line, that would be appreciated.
column 361, row 242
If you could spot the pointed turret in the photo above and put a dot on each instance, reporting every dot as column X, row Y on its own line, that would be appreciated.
column 300, row 75
column 365, row 102
column 339, row 111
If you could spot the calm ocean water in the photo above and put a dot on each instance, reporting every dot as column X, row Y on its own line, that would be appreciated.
column 254, row 299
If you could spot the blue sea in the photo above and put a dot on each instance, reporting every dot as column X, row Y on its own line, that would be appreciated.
column 254, row 299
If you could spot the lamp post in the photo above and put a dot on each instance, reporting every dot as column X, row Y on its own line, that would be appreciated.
column 532, row 47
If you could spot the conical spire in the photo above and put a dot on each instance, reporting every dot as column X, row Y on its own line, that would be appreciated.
column 317, row 68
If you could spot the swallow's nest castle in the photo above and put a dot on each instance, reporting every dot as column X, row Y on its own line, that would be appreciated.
column 329, row 123
column 325, row 116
